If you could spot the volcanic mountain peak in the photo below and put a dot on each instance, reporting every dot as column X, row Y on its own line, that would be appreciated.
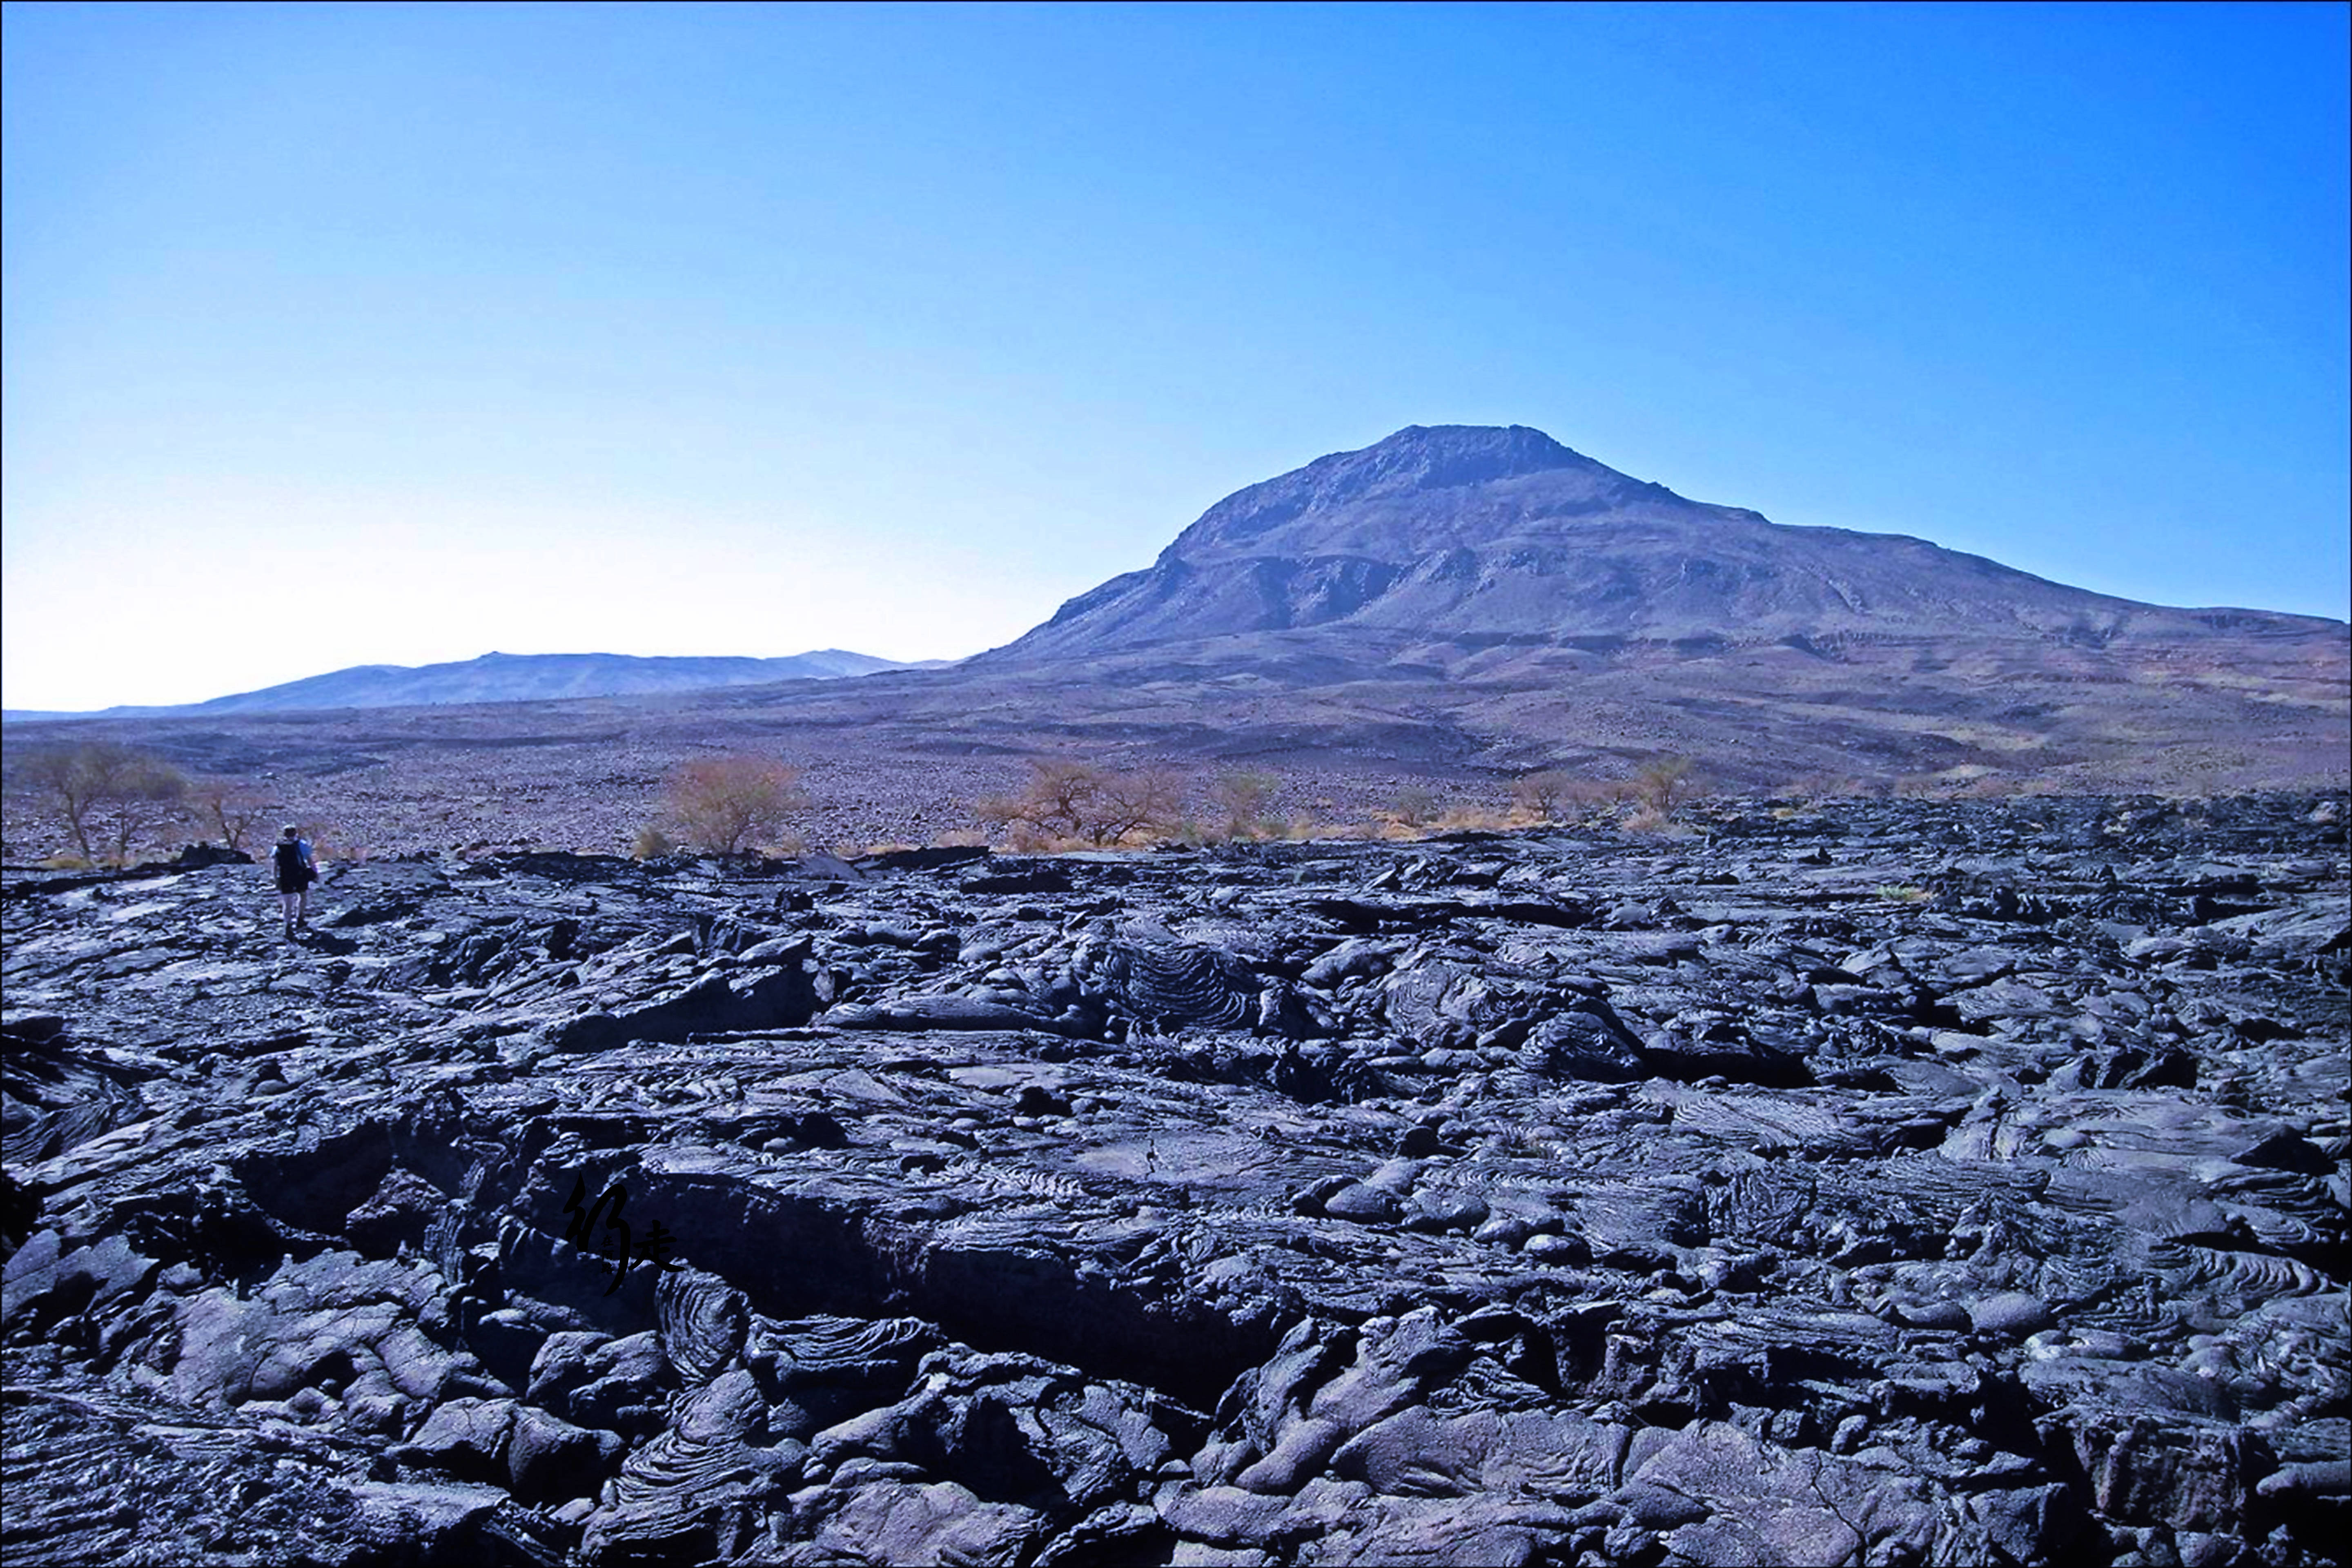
column 1421, row 470
column 1464, row 538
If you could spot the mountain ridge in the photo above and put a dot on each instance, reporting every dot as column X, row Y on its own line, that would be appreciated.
column 504, row 678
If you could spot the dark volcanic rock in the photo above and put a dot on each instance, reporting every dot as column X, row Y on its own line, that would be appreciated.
column 1887, row 1184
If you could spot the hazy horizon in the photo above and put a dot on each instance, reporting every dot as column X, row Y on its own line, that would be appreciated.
column 394, row 336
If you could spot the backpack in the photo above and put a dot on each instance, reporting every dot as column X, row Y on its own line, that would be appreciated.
column 287, row 860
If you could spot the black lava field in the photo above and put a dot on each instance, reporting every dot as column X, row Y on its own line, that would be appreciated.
column 1872, row 1183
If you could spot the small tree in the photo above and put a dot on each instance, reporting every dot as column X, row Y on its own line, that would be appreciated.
column 1128, row 803
column 90, row 784
column 145, row 800
column 69, row 780
column 1541, row 795
column 1662, row 783
column 727, row 804
column 1414, row 806
column 227, row 809
column 1070, row 800
column 1243, row 798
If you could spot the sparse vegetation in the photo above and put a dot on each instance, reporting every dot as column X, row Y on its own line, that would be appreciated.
column 1245, row 799
column 730, row 804
column 1554, row 794
column 1541, row 795
column 106, row 791
column 651, row 843
column 227, row 809
column 1082, row 802
column 1661, row 784
column 1413, row 806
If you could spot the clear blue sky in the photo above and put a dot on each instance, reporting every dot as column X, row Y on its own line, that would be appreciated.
column 391, row 335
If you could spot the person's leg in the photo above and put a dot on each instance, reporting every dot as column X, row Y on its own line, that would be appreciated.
column 303, row 908
column 286, row 902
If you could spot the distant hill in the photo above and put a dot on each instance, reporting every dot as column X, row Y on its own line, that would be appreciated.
column 507, row 677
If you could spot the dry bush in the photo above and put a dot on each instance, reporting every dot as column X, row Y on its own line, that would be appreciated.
column 1082, row 802
column 1474, row 819
column 1413, row 806
column 729, row 804
column 151, row 805
column 651, row 843
column 1661, row 784
column 1542, row 795
column 1244, row 799
column 1555, row 796
column 229, row 809
column 103, row 787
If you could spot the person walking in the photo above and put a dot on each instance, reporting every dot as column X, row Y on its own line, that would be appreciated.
column 296, row 867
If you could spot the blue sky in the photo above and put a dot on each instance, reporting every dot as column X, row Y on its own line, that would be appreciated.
column 389, row 334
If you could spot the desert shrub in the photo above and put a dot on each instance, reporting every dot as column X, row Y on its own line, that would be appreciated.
column 727, row 804
column 1661, row 784
column 651, row 843
column 1244, row 798
column 1072, row 802
column 105, row 789
column 1473, row 819
column 1542, row 797
column 150, row 803
column 1413, row 806
column 229, row 809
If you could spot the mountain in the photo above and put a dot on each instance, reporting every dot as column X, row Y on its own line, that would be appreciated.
column 1479, row 537
column 1457, row 604
column 509, row 677
column 1465, row 597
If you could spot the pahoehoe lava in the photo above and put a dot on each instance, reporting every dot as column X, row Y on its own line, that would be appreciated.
column 1875, row 1182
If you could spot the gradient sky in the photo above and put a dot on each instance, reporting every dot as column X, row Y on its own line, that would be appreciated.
column 339, row 335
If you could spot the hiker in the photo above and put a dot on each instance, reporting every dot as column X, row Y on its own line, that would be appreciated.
column 297, row 869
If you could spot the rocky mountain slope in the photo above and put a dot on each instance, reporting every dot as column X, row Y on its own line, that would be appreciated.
column 1894, row 1183
column 1489, row 598
column 507, row 677
column 1474, row 537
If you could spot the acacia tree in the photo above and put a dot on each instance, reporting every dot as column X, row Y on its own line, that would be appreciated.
column 1243, row 798
column 1541, row 794
column 1663, row 782
column 227, row 808
column 728, row 804
column 1129, row 802
column 144, row 800
column 1415, row 805
column 1068, row 800
column 90, row 784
